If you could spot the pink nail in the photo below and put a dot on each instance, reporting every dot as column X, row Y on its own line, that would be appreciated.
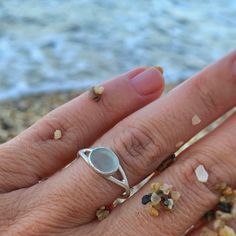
column 148, row 81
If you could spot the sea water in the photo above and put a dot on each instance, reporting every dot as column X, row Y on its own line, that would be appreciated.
column 48, row 45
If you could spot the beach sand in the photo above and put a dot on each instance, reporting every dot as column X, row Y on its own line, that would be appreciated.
column 17, row 115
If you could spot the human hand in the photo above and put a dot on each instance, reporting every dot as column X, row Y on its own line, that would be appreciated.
column 142, row 136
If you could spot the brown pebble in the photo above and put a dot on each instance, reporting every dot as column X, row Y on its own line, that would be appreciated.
column 102, row 213
column 57, row 134
column 153, row 211
column 228, row 191
column 220, row 187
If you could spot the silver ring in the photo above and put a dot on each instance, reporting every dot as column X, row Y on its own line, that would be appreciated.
column 106, row 163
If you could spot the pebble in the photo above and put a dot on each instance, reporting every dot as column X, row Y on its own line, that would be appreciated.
column 218, row 224
column 223, row 216
column 228, row 191
column 146, row 199
column 153, row 211
column 175, row 196
column 166, row 188
column 171, row 204
column 155, row 187
column 57, row 134
column 102, row 213
column 155, row 198
column 201, row 174
column 196, row 120
column 98, row 90
column 227, row 231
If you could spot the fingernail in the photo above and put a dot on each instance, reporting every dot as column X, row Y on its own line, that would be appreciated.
column 147, row 82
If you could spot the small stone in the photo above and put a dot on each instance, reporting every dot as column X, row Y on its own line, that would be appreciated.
column 227, row 231
column 155, row 199
column 155, row 187
column 98, row 90
column 218, row 224
column 225, row 207
column 166, row 188
column 57, row 134
column 146, row 199
column 201, row 174
column 102, row 213
column 228, row 191
column 179, row 144
column 223, row 216
column 169, row 203
column 196, row 120
column 220, row 187
column 153, row 211
column 175, row 195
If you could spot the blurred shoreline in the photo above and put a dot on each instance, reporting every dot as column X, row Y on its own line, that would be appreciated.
column 18, row 114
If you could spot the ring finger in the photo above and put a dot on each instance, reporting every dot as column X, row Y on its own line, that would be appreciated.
column 216, row 152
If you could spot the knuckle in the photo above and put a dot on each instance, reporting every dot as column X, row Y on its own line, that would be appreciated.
column 139, row 143
column 207, row 96
column 107, row 107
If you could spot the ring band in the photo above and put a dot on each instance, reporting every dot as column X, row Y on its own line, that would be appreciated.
column 106, row 163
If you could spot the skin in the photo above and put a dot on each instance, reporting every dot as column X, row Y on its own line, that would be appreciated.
column 143, row 132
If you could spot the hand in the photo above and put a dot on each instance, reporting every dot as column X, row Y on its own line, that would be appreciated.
column 142, row 136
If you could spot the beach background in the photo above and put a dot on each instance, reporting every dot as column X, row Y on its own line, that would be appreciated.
column 52, row 50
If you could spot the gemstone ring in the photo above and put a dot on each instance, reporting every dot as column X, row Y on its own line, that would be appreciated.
column 106, row 163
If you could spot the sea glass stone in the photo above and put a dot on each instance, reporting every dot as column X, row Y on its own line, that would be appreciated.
column 104, row 160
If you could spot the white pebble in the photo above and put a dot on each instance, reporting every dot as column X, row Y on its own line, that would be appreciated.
column 57, row 134
column 201, row 174
column 196, row 120
column 99, row 90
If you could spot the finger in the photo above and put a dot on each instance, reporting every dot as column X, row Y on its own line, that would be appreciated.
column 216, row 152
column 35, row 154
column 146, row 137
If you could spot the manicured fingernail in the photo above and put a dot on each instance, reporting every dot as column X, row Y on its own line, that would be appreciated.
column 147, row 82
